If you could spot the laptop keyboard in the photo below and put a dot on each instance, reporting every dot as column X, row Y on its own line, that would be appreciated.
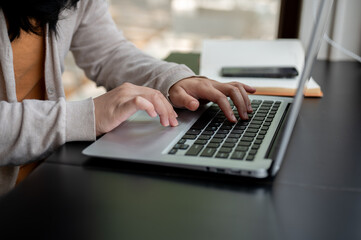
column 214, row 136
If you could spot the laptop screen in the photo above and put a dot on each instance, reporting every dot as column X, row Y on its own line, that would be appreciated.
column 318, row 31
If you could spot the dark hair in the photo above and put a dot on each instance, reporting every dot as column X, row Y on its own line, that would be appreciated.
column 33, row 15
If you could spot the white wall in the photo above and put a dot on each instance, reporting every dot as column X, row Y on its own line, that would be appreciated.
column 344, row 27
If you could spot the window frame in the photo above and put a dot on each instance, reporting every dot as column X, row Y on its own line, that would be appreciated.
column 289, row 19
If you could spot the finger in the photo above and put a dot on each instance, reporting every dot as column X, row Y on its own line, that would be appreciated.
column 244, row 96
column 237, row 98
column 156, row 98
column 248, row 88
column 216, row 96
column 145, row 105
column 172, row 115
column 246, row 99
column 180, row 98
column 133, row 105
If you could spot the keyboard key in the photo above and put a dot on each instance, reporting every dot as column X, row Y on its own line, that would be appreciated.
column 242, row 123
column 203, row 120
column 184, row 146
column 216, row 140
column 228, row 123
column 233, row 135
column 211, row 128
column 214, row 124
column 222, row 131
column 232, row 140
column 247, row 139
column 207, row 133
column 237, row 131
column 182, row 141
column 194, row 150
column 264, row 128
column 249, row 134
column 241, row 149
column 238, row 155
column 261, row 114
column 219, row 135
column 200, row 142
column 256, row 122
column 193, row 132
column 259, row 118
column 213, row 145
column 262, row 132
column 255, row 146
column 252, row 130
column 208, row 152
column 239, row 128
column 189, row 136
column 244, row 144
column 228, row 145
column 225, row 150
column 222, row 155
column 252, row 152
column 204, row 137
column 261, row 137
column 258, row 141
column 225, row 127
column 255, row 126
column 218, row 120
column 250, row 158
column 172, row 151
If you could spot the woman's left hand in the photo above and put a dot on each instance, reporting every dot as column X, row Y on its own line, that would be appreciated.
column 187, row 93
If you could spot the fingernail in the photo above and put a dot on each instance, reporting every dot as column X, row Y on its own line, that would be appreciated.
column 166, row 123
column 250, row 108
column 193, row 104
column 154, row 114
column 174, row 123
column 245, row 115
column 233, row 118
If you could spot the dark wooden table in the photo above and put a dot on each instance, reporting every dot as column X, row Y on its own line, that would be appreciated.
column 316, row 195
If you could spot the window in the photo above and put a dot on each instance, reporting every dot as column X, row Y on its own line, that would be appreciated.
column 159, row 27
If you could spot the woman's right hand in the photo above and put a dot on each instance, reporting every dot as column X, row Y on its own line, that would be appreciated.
column 117, row 105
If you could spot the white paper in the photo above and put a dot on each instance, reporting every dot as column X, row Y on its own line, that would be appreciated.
column 233, row 53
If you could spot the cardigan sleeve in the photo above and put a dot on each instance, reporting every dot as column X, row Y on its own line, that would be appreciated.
column 33, row 128
column 102, row 51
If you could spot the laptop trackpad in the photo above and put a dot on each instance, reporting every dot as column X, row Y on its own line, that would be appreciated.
column 142, row 133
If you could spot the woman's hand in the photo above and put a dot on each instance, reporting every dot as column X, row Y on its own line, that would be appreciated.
column 187, row 92
column 117, row 105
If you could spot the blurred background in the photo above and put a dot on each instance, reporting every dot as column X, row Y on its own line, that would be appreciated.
column 159, row 27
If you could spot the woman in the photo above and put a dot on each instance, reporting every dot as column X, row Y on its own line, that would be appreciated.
column 35, row 118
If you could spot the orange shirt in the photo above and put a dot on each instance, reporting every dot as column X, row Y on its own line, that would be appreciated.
column 28, row 60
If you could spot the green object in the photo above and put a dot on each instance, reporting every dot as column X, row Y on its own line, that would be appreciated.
column 191, row 60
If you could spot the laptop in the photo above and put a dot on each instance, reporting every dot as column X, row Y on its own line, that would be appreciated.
column 205, row 140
